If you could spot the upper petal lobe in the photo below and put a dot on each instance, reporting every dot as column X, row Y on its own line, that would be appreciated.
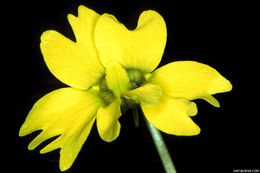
column 74, row 63
column 140, row 49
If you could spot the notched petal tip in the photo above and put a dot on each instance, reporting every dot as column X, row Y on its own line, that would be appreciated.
column 83, row 10
column 195, row 132
column 27, row 128
column 46, row 35
column 148, row 16
column 67, row 112
column 66, row 59
column 71, row 18
column 210, row 99
column 22, row 132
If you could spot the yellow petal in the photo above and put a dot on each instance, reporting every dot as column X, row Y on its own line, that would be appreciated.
column 83, row 26
column 147, row 94
column 171, row 115
column 74, row 63
column 117, row 78
column 107, row 121
column 190, row 80
column 140, row 49
column 67, row 112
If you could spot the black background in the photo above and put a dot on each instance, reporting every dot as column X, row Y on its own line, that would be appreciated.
column 216, row 33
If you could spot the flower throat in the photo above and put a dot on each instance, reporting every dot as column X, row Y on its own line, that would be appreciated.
column 136, row 78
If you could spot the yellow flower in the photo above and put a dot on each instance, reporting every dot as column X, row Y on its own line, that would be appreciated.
column 109, row 68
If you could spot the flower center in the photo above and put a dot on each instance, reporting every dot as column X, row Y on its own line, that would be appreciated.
column 105, row 92
column 136, row 77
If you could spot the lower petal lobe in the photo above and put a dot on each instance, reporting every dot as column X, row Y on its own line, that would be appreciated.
column 107, row 121
column 67, row 112
column 172, row 116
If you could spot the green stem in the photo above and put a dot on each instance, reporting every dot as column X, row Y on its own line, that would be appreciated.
column 136, row 117
column 161, row 148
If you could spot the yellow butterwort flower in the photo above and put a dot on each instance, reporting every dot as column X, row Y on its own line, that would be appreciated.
column 108, row 68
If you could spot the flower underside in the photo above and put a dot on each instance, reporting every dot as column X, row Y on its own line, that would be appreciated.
column 109, row 69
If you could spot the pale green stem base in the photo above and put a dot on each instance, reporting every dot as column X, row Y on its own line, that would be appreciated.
column 161, row 148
